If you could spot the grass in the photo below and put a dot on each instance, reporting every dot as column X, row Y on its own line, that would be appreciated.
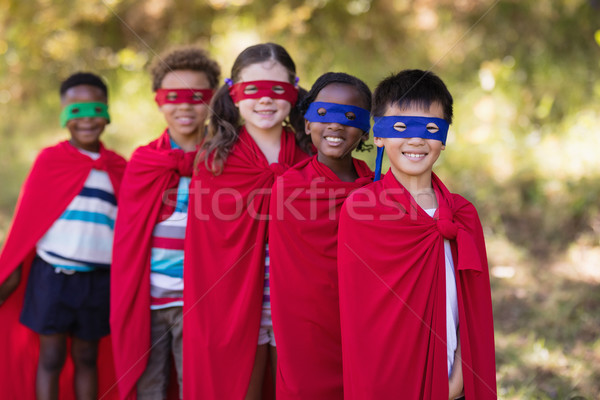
column 547, row 323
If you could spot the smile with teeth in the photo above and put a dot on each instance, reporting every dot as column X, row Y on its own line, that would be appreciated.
column 415, row 155
column 266, row 112
column 184, row 120
column 333, row 139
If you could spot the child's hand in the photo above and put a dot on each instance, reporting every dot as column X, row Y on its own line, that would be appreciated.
column 10, row 284
column 455, row 382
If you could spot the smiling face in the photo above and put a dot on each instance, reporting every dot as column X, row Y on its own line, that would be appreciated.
column 334, row 140
column 264, row 115
column 85, row 132
column 185, row 119
column 412, row 159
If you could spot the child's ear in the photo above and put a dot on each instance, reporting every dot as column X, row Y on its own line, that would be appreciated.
column 307, row 126
column 378, row 141
column 443, row 147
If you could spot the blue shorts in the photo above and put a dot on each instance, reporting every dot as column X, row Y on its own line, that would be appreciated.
column 77, row 304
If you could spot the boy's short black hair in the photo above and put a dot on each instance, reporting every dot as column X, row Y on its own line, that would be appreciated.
column 83, row 78
column 412, row 87
column 184, row 58
column 338, row 77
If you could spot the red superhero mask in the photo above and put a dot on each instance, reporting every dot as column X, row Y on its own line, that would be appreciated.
column 258, row 89
column 179, row 96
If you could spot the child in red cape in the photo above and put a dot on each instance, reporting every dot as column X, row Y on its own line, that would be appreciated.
column 226, row 236
column 305, row 206
column 147, row 274
column 415, row 301
column 57, row 256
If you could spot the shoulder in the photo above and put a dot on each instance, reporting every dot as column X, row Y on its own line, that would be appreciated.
column 364, row 202
column 300, row 171
column 51, row 151
column 462, row 205
column 49, row 155
column 366, row 192
column 292, row 178
column 158, row 146
column 141, row 151
column 465, row 212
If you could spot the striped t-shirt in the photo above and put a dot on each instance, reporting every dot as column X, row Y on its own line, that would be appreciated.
column 81, row 238
column 166, row 258
column 265, row 319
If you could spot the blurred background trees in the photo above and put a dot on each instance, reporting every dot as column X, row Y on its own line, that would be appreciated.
column 524, row 145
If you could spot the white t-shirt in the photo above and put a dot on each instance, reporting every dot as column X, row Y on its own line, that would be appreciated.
column 451, row 302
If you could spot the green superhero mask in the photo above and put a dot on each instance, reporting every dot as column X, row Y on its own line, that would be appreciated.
column 83, row 110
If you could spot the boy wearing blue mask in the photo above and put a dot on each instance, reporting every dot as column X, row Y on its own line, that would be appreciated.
column 415, row 302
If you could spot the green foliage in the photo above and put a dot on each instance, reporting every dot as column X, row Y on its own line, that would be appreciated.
column 524, row 76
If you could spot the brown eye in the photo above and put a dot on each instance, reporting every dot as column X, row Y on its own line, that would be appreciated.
column 197, row 96
column 75, row 110
column 278, row 89
column 321, row 111
column 351, row 116
column 400, row 126
column 171, row 96
column 98, row 110
column 250, row 89
column 432, row 128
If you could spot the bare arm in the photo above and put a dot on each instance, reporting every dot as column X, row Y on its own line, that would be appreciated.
column 455, row 382
column 10, row 284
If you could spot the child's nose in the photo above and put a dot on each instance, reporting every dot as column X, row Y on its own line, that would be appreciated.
column 265, row 99
column 416, row 141
column 335, row 126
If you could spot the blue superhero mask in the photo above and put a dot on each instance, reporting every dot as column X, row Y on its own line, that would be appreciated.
column 356, row 117
column 407, row 127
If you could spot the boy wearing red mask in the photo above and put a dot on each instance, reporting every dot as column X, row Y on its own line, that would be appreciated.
column 147, row 283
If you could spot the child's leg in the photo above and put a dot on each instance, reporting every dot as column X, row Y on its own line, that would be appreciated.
column 85, row 355
column 53, row 352
column 258, row 373
column 273, row 354
column 176, row 321
column 154, row 380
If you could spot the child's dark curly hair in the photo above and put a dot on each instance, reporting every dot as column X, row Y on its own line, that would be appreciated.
column 184, row 58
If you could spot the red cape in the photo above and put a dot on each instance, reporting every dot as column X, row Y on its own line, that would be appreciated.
column 57, row 176
column 224, row 268
column 305, row 206
column 392, row 295
column 152, row 170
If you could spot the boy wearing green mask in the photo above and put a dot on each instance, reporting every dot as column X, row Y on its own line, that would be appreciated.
column 60, row 243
